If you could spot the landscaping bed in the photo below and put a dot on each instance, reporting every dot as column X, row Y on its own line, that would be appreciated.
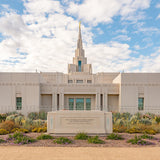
column 154, row 142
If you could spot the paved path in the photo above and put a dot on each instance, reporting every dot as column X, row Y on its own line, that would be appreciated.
column 80, row 153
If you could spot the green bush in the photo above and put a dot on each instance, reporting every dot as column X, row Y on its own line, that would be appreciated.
column 62, row 140
column 137, row 140
column 81, row 136
column 37, row 115
column 33, row 115
column 43, row 115
column 145, row 121
column 157, row 118
column 11, row 117
column 38, row 123
column 3, row 117
column 20, row 138
column 44, row 136
column 18, row 120
column 95, row 140
column 114, row 137
column 3, row 132
column 145, row 136
column 120, row 122
column 27, row 124
column 2, row 141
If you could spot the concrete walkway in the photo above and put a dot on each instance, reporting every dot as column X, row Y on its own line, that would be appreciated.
column 80, row 153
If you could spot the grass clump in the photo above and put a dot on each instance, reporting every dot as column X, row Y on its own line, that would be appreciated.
column 20, row 138
column 114, row 136
column 44, row 136
column 62, row 140
column 95, row 140
column 145, row 136
column 81, row 136
column 137, row 140
column 2, row 140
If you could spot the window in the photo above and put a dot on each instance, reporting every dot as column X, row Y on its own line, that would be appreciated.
column 80, row 104
column 71, row 103
column 89, row 81
column 79, row 66
column 70, row 81
column 79, row 81
column 140, row 103
column 18, row 103
column 88, row 104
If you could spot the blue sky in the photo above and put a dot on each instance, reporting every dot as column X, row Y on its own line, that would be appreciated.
column 117, row 35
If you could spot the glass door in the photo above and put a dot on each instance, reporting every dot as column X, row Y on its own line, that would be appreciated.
column 80, row 104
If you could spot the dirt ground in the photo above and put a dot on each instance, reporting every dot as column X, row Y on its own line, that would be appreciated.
column 155, row 142
column 78, row 153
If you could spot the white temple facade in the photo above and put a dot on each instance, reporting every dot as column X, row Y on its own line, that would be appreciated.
column 80, row 89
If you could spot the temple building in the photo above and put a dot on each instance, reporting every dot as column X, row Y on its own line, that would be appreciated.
column 80, row 89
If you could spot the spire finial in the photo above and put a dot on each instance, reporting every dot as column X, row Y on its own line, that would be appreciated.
column 79, row 24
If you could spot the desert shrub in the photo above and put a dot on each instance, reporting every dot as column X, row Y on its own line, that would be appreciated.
column 44, row 136
column 11, row 117
column 149, row 131
column 20, row 138
column 3, row 117
column 95, row 140
column 119, row 129
column 27, row 124
column 134, row 119
column 120, row 122
column 114, row 136
column 43, row 115
column 2, row 140
column 145, row 121
column 133, row 130
column 137, row 140
column 18, row 120
column 81, row 136
column 33, row 115
column 39, row 130
column 126, row 116
column 38, row 123
column 145, row 136
column 8, row 125
column 19, row 130
column 62, row 140
column 157, row 118
column 3, row 132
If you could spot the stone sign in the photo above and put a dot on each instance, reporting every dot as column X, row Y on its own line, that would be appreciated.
column 72, row 122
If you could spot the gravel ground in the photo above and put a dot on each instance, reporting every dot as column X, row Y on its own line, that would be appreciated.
column 83, row 143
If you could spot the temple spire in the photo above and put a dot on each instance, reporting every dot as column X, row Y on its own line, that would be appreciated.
column 79, row 42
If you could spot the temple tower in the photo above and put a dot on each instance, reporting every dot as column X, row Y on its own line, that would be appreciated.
column 79, row 61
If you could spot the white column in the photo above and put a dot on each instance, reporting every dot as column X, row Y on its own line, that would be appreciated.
column 61, row 101
column 105, row 101
column 97, row 101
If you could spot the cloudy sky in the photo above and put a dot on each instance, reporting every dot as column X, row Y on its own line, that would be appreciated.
column 118, row 35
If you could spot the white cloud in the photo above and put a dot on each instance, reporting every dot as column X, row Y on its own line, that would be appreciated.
column 96, row 11
column 158, row 17
column 122, row 38
column 41, row 7
column 158, row 5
